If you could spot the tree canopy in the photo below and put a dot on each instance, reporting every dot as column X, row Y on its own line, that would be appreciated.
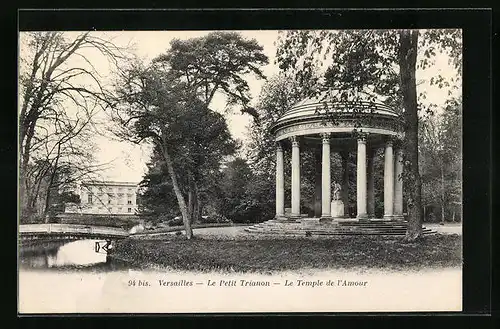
column 216, row 62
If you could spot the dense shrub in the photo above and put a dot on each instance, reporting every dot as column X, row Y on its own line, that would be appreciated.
column 125, row 222
column 177, row 221
column 35, row 219
column 212, row 219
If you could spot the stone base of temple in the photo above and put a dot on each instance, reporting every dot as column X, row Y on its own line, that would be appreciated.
column 362, row 217
column 345, row 219
column 288, row 219
column 337, row 208
column 325, row 219
column 331, row 227
column 394, row 217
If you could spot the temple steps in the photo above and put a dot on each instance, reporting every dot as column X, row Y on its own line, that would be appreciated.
column 313, row 227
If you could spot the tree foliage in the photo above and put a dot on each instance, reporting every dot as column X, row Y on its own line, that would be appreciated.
column 441, row 161
column 216, row 62
column 277, row 95
column 158, row 200
column 243, row 195
column 365, row 60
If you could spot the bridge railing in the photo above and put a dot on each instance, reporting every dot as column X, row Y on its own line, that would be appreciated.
column 70, row 229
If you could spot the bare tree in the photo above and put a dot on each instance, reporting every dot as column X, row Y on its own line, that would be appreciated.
column 56, row 80
column 66, row 155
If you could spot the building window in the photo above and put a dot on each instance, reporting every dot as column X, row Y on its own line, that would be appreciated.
column 129, row 210
column 90, row 198
column 129, row 202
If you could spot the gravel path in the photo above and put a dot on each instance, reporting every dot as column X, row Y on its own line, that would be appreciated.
column 239, row 230
column 446, row 229
column 230, row 232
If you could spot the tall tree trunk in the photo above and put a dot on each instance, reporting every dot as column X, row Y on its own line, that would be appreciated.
column 48, row 196
column 24, row 121
column 51, row 183
column 47, row 205
column 32, row 196
column 407, row 66
column 442, row 194
column 196, row 205
column 198, row 209
column 180, row 198
column 22, row 198
column 25, row 199
column 190, row 198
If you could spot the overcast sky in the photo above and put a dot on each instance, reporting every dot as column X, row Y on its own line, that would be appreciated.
column 128, row 161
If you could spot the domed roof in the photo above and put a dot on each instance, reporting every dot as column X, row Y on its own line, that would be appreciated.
column 338, row 112
column 336, row 101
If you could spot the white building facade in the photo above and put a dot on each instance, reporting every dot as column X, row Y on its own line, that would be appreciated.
column 107, row 197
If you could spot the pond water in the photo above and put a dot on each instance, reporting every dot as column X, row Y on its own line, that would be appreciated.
column 72, row 255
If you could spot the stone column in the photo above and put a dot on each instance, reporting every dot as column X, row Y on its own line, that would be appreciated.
column 388, row 181
column 361, row 178
column 317, row 183
column 371, row 184
column 325, row 178
column 295, row 177
column 398, row 185
column 280, row 182
column 345, row 182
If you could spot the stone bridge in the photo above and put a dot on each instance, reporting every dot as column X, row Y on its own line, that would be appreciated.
column 52, row 232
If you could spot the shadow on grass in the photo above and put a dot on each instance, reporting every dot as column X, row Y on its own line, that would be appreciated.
column 264, row 255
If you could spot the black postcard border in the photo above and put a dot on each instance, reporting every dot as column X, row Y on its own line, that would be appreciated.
column 477, row 97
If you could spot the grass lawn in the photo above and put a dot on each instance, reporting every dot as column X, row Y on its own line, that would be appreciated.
column 178, row 228
column 270, row 255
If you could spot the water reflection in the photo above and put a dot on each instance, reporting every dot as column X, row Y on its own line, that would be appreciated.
column 57, row 255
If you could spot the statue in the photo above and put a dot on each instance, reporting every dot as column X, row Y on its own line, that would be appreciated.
column 337, row 206
column 336, row 191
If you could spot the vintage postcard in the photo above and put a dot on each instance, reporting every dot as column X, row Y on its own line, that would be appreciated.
column 240, row 171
